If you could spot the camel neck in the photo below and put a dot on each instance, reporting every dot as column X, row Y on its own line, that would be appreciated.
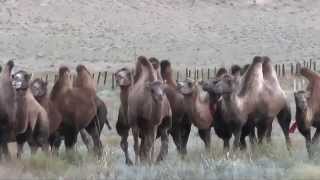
column 43, row 100
column 170, row 81
column 124, row 93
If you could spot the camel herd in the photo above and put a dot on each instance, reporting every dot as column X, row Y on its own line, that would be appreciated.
column 236, row 102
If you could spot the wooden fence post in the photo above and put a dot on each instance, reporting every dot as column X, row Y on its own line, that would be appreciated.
column 310, row 64
column 187, row 73
column 46, row 77
column 202, row 74
column 283, row 70
column 105, row 77
column 292, row 69
column 55, row 78
column 178, row 76
column 112, row 81
column 208, row 73
column 99, row 74
column 197, row 74
column 298, row 66
column 314, row 66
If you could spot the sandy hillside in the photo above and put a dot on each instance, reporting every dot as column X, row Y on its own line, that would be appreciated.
column 43, row 34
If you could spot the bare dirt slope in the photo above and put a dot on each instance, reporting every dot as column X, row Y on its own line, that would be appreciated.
column 43, row 34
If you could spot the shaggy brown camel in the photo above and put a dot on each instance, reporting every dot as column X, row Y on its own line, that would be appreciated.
column 308, row 110
column 199, row 109
column 39, row 89
column 148, row 111
column 7, row 109
column 124, row 80
column 32, row 119
column 254, row 99
column 65, row 96
column 181, row 122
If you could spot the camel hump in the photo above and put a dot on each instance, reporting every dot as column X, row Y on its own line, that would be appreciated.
column 257, row 59
column 221, row 71
column 142, row 60
column 63, row 70
column 143, row 64
column 8, row 68
column 309, row 74
column 253, row 77
column 235, row 70
column 164, row 65
column 155, row 63
column 84, row 78
column 63, row 82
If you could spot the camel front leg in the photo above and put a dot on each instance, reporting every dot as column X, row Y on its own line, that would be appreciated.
column 307, row 136
column 164, row 145
column 237, row 136
column 136, row 147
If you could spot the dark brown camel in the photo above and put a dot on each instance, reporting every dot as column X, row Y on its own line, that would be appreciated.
column 32, row 119
column 65, row 96
column 308, row 110
column 148, row 112
column 254, row 99
column 124, row 80
column 39, row 90
column 7, row 109
column 199, row 109
column 181, row 122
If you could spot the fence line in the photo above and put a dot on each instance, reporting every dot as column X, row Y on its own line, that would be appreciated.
column 283, row 70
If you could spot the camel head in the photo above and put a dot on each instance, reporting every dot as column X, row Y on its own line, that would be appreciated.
column 301, row 100
column 221, row 71
column 156, row 89
column 186, row 87
column 226, row 84
column 123, row 77
column 21, row 80
column 39, row 88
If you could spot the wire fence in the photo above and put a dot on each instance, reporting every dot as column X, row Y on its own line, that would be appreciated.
column 106, row 79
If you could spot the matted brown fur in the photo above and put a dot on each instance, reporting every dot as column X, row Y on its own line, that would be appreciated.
column 7, row 109
column 83, row 96
column 308, row 110
column 181, row 122
column 148, row 112
column 124, row 81
column 258, row 96
column 32, row 118
column 199, row 109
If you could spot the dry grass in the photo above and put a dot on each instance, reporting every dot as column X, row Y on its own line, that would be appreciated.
column 266, row 162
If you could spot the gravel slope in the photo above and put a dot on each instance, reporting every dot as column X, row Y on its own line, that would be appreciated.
column 43, row 34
